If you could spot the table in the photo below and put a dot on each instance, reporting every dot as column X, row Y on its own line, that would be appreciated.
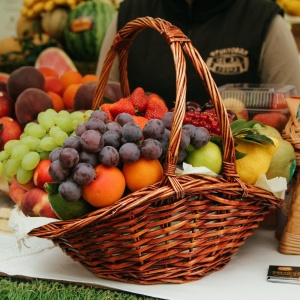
column 244, row 277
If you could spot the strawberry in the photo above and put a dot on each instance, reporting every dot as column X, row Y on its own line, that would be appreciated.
column 139, row 100
column 156, row 107
column 123, row 105
column 106, row 108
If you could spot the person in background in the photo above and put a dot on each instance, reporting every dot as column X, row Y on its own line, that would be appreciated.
column 241, row 41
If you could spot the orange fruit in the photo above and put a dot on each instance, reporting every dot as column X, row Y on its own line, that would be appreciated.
column 48, row 72
column 57, row 100
column 53, row 84
column 142, row 173
column 69, row 94
column 70, row 77
column 90, row 78
column 108, row 186
column 140, row 120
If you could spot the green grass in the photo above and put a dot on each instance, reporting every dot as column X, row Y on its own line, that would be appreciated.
column 12, row 288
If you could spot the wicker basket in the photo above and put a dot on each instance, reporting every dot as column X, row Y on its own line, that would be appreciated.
column 180, row 229
column 290, row 238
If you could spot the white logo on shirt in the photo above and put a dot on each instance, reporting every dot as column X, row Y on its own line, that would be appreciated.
column 228, row 61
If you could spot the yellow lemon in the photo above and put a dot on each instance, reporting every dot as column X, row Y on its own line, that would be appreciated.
column 257, row 160
column 209, row 156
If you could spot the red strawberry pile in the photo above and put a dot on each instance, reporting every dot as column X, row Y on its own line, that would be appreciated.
column 205, row 117
column 139, row 104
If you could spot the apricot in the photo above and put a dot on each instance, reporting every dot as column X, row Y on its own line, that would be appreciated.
column 22, row 79
column 30, row 103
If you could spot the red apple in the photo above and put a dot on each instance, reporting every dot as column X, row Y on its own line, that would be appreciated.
column 6, row 105
column 35, row 203
column 237, row 106
column 3, row 86
column 16, row 192
column 10, row 129
column 41, row 174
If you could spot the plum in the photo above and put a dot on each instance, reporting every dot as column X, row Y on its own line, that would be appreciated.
column 30, row 103
column 84, row 96
column 23, row 78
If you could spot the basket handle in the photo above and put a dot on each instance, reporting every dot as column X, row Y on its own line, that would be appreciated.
column 179, row 43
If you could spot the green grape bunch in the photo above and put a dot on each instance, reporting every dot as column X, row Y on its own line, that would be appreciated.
column 19, row 158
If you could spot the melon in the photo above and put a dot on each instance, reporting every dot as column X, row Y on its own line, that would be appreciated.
column 85, row 29
column 10, row 51
column 53, row 22
column 56, row 59
column 26, row 28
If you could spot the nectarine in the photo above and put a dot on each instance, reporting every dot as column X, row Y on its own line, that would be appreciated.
column 10, row 129
column 16, row 192
column 35, row 203
column 41, row 173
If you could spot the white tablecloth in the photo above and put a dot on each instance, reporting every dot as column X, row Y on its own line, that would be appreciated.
column 244, row 277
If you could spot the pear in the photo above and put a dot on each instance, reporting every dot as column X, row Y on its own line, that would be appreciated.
column 283, row 161
column 269, row 131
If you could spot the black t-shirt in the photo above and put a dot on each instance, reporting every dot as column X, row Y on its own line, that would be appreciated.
column 228, row 34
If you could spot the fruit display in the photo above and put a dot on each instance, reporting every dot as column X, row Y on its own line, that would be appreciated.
column 75, row 26
column 68, row 159
column 265, row 103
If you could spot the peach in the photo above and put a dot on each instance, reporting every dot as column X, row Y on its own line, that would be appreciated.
column 26, row 186
column 10, row 129
column 30, row 103
column 84, row 96
column 16, row 192
column 41, row 174
column 23, row 78
column 237, row 106
column 274, row 119
column 6, row 105
column 35, row 203
column 113, row 91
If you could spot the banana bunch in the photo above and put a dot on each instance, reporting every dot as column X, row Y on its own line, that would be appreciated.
column 291, row 7
column 34, row 8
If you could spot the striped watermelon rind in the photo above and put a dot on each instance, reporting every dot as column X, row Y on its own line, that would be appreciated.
column 85, row 45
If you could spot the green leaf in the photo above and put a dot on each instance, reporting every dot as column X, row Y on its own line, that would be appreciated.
column 258, row 139
column 239, row 155
column 216, row 140
column 237, row 126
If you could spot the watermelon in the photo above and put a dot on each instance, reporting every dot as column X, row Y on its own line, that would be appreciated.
column 85, row 29
column 56, row 59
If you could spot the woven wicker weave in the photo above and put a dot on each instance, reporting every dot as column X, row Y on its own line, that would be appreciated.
column 182, row 228
column 290, row 238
